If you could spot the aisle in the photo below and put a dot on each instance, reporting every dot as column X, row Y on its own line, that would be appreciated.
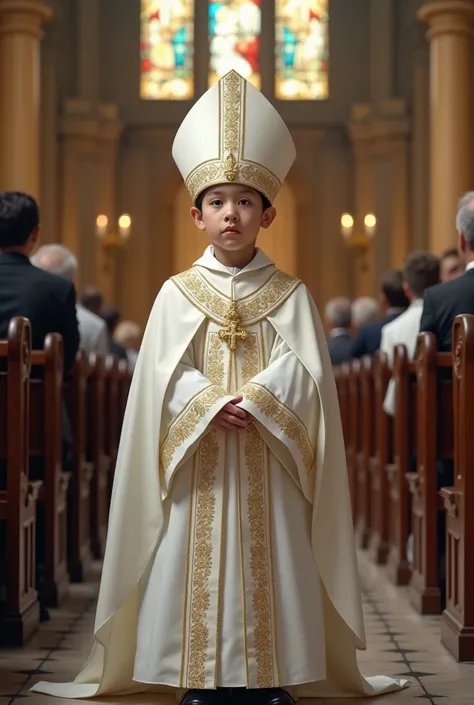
column 400, row 642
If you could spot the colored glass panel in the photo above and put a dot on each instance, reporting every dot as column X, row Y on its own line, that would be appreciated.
column 234, row 39
column 166, row 49
column 301, row 37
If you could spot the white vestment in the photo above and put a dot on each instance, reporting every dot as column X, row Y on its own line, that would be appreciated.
column 230, row 558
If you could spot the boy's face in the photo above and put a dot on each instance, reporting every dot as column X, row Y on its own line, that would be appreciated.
column 232, row 216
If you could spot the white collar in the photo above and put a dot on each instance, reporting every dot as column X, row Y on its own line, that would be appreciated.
column 208, row 260
column 469, row 265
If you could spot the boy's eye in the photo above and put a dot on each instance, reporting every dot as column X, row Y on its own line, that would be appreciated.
column 216, row 202
column 245, row 202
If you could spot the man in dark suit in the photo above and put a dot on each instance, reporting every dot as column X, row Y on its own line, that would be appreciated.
column 338, row 324
column 393, row 302
column 47, row 300
column 442, row 303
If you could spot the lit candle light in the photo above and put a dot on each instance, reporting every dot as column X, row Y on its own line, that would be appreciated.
column 347, row 225
column 125, row 224
column 101, row 225
column 370, row 223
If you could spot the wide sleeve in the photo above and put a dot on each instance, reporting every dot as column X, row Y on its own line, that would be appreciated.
column 191, row 402
column 284, row 400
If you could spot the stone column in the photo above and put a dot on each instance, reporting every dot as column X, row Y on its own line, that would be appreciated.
column 20, row 37
column 451, row 112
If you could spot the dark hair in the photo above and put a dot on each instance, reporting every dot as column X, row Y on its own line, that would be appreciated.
column 450, row 252
column 111, row 316
column 421, row 271
column 91, row 298
column 392, row 289
column 19, row 216
column 198, row 202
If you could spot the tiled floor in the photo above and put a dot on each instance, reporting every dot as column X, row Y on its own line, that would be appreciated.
column 400, row 642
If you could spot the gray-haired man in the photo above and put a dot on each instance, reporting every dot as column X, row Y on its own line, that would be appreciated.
column 57, row 259
column 338, row 324
column 442, row 303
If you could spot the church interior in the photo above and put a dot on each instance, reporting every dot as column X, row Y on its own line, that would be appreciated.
column 379, row 98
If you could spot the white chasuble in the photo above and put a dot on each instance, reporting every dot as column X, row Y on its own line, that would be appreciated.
column 234, row 596
column 230, row 558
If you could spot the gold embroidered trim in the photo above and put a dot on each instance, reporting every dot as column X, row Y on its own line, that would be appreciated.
column 187, row 421
column 288, row 422
column 252, row 309
column 232, row 102
column 250, row 365
column 256, row 505
column 213, row 172
column 214, row 369
column 202, row 561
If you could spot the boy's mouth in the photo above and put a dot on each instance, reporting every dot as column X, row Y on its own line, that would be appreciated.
column 231, row 230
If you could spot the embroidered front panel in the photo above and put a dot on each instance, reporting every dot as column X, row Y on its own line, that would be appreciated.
column 201, row 617
column 214, row 363
column 286, row 419
column 261, row 637
column 251, row 309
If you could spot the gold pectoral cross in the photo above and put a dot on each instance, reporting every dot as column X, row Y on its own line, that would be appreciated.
column 232, row 332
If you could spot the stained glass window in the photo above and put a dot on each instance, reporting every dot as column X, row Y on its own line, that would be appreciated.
column 301, row 35
column 234, row 39
column 166, row 49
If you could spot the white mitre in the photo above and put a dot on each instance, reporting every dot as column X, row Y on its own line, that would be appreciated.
column 233, row 134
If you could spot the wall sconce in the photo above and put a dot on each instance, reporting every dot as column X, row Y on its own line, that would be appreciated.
column 112, row 240
column 359, row 238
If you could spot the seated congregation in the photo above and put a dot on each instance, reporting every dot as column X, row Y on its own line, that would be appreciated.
column 405, row 405
column 62, row 399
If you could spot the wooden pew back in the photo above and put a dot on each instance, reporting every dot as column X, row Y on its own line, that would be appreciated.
column 404, row 450
column 457, row 623
column 46, row 434
column 435, row 442
column 19, row 613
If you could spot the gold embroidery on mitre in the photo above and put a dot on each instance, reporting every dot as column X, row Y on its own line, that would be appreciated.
column 232, row 113
column 232, row 333
column 213, row 172
column 230, row 168
column 252, row 309
column 288, row 422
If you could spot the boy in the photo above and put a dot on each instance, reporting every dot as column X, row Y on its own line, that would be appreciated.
column 230, row 573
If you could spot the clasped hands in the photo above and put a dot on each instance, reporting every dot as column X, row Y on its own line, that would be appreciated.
column 232, row 417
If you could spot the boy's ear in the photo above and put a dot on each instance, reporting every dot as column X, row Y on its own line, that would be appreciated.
column 268, row 217
column 196, row 215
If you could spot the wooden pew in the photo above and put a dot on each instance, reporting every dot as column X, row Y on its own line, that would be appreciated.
column 365, row 412
column 404, row 449
column 354, row 446
column 457, row 622
column 19, row 610
column 45, row 437
column 379, row 541
column 96, row 422
column 434, row 442
column 79, row 493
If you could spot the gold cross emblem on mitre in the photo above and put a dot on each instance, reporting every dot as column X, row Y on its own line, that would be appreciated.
column 232, row 333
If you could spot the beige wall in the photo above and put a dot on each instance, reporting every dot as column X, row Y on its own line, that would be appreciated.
column 363, row 149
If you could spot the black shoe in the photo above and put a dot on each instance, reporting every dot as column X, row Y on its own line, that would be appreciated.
column 200, row 697
column 275, row 696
